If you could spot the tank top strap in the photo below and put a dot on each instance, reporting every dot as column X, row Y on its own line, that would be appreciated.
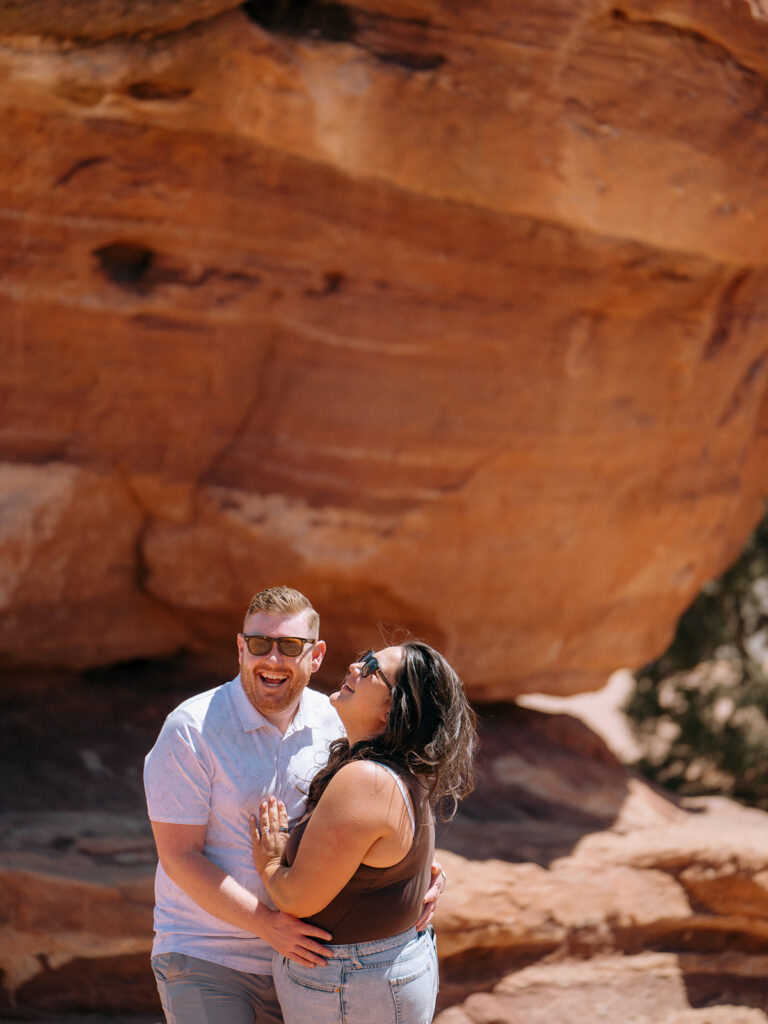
column 403, row 790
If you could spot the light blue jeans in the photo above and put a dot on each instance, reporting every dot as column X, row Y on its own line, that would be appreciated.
column 388, row 981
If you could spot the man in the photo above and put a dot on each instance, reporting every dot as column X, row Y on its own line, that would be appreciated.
column 218, row 755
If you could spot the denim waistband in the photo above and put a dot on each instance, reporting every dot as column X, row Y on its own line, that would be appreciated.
column 348, row 949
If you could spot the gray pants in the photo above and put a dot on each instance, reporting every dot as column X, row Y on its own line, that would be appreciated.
column 195, row 991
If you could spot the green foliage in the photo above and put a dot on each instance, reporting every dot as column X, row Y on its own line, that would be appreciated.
column 700, row 711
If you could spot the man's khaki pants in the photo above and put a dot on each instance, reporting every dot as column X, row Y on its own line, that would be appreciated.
column 195, row 991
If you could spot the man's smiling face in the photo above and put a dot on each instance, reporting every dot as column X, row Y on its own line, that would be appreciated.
column 273, row 682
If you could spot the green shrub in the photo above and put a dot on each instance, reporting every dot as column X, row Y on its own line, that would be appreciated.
column 700, row 711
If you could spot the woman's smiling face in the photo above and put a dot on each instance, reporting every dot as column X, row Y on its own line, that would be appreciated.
column 363, row 700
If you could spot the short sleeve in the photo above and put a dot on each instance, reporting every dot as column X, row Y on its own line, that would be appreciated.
column 177, row 775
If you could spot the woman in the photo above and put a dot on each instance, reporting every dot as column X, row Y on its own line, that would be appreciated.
column 358, row 863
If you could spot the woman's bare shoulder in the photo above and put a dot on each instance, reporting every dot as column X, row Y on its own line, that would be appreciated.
column 363, row 774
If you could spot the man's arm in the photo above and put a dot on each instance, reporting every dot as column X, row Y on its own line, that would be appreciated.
column 180, row 849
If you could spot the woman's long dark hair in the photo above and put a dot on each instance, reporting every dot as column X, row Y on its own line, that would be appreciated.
column 430, row 732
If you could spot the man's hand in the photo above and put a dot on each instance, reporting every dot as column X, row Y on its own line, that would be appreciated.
column 294, row 938
column 432, row 895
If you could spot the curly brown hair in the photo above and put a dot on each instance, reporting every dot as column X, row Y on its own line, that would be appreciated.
column 430, row 732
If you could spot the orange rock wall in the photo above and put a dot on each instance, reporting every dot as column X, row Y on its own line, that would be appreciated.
column 452, row 316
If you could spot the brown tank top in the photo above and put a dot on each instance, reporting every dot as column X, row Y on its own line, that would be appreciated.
column 379, row 902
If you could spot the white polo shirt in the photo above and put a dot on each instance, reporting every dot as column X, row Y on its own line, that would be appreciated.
column 215, row 760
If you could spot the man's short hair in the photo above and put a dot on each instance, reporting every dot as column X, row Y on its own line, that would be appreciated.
column 284, row 600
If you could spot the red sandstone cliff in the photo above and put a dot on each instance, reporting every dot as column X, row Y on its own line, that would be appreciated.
column 451, row 315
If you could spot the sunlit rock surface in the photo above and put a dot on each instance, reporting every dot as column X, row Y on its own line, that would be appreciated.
column 77, row 896
column 452, row 316
column 649, row 988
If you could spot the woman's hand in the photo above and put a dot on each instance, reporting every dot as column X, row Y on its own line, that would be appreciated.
column 269, row 835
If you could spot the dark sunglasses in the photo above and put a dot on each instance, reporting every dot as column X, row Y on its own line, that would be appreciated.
column 371, row 665
column 289, row 646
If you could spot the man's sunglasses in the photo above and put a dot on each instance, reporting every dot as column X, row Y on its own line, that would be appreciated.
column 289, row 646
column 371, row 665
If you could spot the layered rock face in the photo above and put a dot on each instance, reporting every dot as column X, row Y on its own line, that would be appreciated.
column 451, row 316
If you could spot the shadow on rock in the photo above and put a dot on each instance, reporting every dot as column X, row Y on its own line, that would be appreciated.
column 544, row 782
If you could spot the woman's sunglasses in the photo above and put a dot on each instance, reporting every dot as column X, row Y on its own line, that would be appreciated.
column 371, row 665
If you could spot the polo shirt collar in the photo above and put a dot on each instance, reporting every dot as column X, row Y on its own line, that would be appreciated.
column 251, row 719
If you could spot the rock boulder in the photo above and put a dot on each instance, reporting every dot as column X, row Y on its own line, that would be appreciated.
column 451, row 316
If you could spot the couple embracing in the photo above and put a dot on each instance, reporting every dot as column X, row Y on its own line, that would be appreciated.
column 296, row 876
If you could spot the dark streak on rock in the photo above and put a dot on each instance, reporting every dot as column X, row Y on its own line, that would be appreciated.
column 137, row 268
column 725, row 315
column 657, row 27
column 743, row 388
column 153, row 322
column 81, row 165
column 318, row 19
column 125, row 263
column 667, row 274
column 417, row 22
column 413, row 61
column 61, row 842
column 229, row 505
column 142, row 570
column 148, row 90
column 175, row 275
column 334, row 279
column 333, row 22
